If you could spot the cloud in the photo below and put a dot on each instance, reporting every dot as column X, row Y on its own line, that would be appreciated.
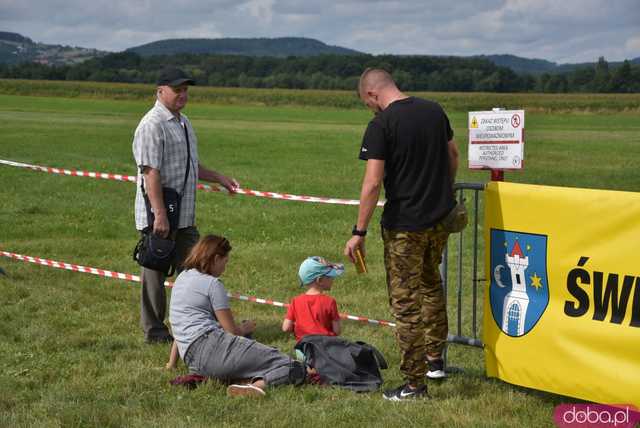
column 261, row 10
column 633, row 44
column 561, row 31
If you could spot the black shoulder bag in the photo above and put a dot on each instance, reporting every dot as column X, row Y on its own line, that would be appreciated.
column 153, row 251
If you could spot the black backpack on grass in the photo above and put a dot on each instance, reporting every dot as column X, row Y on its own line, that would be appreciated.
column 351, row 365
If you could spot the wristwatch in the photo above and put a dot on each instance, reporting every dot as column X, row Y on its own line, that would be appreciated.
column 357, row 232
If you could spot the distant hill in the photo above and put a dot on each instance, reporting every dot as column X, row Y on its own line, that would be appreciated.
column 539, row 66
column 521, row 65
column 14, row 37
column 15, row 48
column 277, row 47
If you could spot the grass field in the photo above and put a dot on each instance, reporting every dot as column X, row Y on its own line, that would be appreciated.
column 452, row 101
column 72, row 351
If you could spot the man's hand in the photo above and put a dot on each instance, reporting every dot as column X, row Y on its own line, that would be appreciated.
column 206, row 174
column 228, row 183
column 351, row 246
column 161, row 225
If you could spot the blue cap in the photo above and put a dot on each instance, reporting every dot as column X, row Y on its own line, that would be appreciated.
column 316, row 267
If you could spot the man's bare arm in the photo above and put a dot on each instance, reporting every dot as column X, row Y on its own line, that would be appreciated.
column 153, row 187
column 454, row 159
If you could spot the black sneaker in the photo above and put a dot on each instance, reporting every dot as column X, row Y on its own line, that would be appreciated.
column 436, row 369
column 403, row 393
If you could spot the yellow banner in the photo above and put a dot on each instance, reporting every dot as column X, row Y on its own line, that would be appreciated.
column 562, row 304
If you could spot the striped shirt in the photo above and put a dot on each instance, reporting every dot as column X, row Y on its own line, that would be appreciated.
column 160, row 143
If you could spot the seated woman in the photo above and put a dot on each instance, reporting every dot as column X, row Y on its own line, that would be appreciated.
column 209, row 341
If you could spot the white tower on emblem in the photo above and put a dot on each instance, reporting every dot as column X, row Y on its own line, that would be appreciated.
column 514, row 309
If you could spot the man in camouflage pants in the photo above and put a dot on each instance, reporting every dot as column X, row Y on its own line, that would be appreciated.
column 409, row 146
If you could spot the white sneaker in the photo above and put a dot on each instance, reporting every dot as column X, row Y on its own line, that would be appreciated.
column 436, row 369
column 244, row 390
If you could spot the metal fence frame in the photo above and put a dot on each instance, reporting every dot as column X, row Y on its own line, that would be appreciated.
column 459, row 337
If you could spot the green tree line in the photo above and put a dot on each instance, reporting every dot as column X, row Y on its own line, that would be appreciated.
column 412, row 73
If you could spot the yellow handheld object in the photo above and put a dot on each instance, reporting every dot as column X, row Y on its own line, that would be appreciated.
column 361, row 266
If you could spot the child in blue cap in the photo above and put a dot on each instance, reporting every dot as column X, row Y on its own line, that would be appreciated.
column 314, row 312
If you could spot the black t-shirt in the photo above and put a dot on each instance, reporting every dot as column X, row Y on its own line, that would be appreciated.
column 411, row 136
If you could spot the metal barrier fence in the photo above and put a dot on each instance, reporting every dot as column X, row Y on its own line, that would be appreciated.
column 458, row 336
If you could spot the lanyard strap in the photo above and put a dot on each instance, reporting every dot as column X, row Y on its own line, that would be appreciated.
column 186, row 174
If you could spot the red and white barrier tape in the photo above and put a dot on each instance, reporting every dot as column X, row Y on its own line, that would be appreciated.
column 75, row 173
column 205, row 187
column 136, row 278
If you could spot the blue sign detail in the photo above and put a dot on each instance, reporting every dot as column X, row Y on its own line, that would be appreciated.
column 519, row 289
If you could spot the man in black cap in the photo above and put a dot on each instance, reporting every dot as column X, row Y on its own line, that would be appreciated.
column 165, row 149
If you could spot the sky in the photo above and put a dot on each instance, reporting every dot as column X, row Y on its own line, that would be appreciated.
column 562, row 31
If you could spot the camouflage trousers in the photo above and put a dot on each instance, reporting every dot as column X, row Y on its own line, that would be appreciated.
column 416, row 297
